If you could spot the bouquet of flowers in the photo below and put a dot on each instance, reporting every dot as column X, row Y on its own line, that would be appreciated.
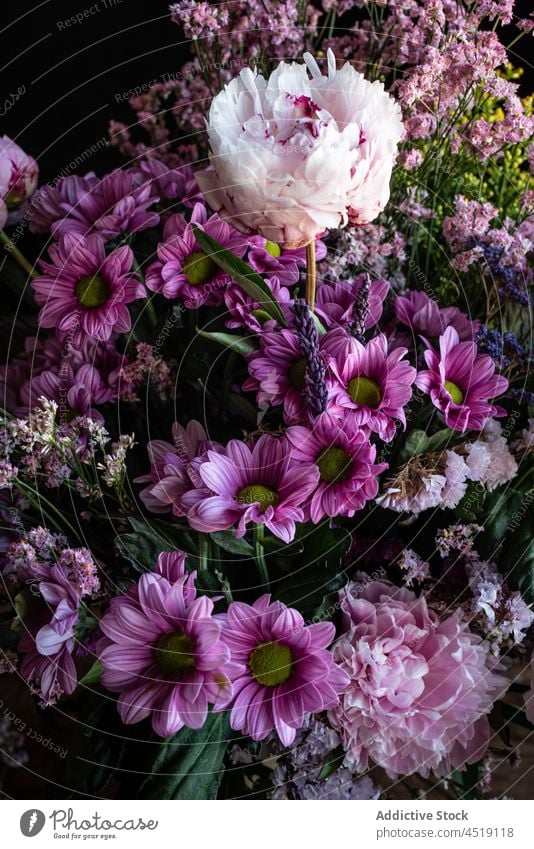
column 266, row 490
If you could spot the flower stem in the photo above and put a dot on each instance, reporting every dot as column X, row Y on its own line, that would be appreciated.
column 259, row 555
column 203, row 559
column 21, row 259
column 311, row 273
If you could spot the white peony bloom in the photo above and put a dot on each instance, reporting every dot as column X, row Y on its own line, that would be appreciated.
column 293, row 156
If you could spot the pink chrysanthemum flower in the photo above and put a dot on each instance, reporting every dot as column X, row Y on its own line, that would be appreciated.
column 423, row 315
column 335, row 301
column 264, row 485
column 282, row 669
column 246, row 312
column 118, row 203
column 460, row 382
column 183, row 269
column 346, row 462
column 18, row 177
column 278, row 373
column 162, row 650
column 52, row 202
column 420, row 687
column 84, row 291
column 367, row 383
column 273, row 260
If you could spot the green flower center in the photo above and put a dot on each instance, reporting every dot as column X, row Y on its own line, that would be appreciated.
column 174, row 653
column 454, row 391
column 273, row 249
column 92, row 291
column 261, row 316
column 297, row 374
column 270, row 664
column 335, row 464
column 364, row 391
column 13, row 198
column 199, row 268
column 256, row 493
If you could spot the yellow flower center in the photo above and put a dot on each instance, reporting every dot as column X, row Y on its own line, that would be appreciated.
column 92, row 291
column 173, row 653
column 454, row 391
column 256, row 493
column 297, row 374
column 335, row 464
column 364, row 391
column 270, row 664
column 199, row 268
column 273, row 249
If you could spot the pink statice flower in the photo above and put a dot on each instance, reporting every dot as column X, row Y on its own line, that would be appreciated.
column 421, row 687
column 368, row 384
column 19, row 173
column 264, row 485
column 278, row 373
column 118, row 203
column 335, row 302
column 346, row 462
column 282, row 668
column 183, row 269
column 461, row 382
column 174, row 469
column 423, row 315
column 83, row 292
column 162, row 650
column 247, row 312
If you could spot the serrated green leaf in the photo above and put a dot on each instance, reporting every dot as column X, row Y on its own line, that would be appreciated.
column 245, row 276
column 229, row 340
column 149, row 539
column 190, row 764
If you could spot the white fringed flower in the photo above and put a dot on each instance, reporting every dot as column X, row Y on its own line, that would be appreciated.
column 295, row 155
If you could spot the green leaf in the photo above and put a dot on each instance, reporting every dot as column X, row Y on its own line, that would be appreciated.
column 143, row 547
column 419, row 443
column 245, row 276
column 228, row 541
column 333, row 761
column 93, row 675
column 190, row 764
column 229, row 340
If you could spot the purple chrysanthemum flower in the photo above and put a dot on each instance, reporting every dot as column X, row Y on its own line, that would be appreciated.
column 335, row 302
column 162, row 650
column 346, row 462
column 282, row 669
column 264, row 485
column 85, row 292
column 170, row 183
column 246, row 312
column 423, row 315
column 118, row 203
column 276, row 261
column 50, row 203
column 367, row 383
column 183, row 269
column 460, row 381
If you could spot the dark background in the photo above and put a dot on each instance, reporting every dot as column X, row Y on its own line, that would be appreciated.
column 72, row 74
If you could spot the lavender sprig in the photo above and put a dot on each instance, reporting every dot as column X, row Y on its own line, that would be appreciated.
column 316, row 391
column 360, row 310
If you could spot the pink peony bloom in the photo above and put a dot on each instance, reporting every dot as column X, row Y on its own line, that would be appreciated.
column 335, row 301
column 282, row 669
column 183, row 269
column 118, row 203
column 162, row 652
column 460, row 381
column 423, row 315
column 367, row 383
column 85, row 292
column 18, row 179
column 421, row 688
column 346, row 462
column 263, row 485
column 293, row 156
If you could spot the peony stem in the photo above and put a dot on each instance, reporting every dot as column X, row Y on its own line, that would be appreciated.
column 21, row 259
column 311, row 274
column 259, row 555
